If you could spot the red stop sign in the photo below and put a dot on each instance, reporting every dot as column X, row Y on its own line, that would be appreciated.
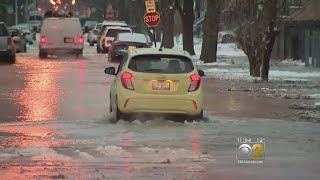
column 152, row 19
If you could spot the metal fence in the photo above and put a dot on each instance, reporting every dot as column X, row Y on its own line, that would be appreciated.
column 312, row 47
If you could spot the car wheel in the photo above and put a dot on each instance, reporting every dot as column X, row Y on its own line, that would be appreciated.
column 79, row 54
column 198, row 117
column 12, row 60
column 91, row 43
column 98, row 49
column 42, row 55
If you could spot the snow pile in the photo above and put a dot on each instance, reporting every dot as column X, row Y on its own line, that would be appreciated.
column 229, row 49
column 111, row 151
column 293, row 62
column 223, row 49
column 84, row 155
column 41, row 153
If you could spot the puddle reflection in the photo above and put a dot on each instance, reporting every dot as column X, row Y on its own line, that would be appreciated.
column 40, row 97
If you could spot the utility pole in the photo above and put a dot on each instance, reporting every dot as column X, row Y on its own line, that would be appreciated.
column 16, row 10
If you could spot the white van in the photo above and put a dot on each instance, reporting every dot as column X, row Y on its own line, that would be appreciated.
column 61, row 35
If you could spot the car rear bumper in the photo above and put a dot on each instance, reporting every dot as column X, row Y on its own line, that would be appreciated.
column 60, row 50
column 190, row 104
column 5, row 54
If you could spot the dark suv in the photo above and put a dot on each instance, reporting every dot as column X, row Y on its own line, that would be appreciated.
column 7, row 47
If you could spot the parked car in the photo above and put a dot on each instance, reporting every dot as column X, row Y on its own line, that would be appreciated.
column 7, row 47
column 93, row 34
column 226, row 37
column 19, row 39
column 108, row 36
column 61, row 35
column 88, row 26
column 106, row 24
column 126, row 41
column 29, row 35
column 35, row 20
column 156, row 81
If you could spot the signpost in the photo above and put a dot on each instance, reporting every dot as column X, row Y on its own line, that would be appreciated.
column 152, row 17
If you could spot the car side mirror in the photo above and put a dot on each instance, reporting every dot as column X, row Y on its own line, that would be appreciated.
column 110, row 71
column 201, row 73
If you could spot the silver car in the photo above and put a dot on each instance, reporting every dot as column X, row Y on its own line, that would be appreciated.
column 7, row 47
column 18, row 39
column 93, row 34
column 30, row 36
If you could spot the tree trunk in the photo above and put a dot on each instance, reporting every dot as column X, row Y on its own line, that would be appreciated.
column 167, row 23
column 254, row 65
column 187, row 23
column 210, row 32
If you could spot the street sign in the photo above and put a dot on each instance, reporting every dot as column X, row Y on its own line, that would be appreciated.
column 152, row 19
column 150, row 6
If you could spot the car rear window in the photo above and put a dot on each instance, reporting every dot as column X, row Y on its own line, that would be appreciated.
column 132, row 37
column 35, row 18
column 114, row 32
column 3, row 30
column 171, row 64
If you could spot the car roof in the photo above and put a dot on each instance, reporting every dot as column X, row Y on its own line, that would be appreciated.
column 163, row 51
column 118, row 27
column 62, row 18
column 121, row 23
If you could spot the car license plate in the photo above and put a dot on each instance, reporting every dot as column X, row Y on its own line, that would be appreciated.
column 68, row 40
column 161, row 85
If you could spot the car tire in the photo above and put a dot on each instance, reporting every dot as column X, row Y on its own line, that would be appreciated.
column 42, row 55
column 98, row 49
column 91, row 43
column 12, row 60
column 198, row 117
column 79, row 54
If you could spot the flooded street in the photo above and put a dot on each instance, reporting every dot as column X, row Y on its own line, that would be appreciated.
column 54, row 124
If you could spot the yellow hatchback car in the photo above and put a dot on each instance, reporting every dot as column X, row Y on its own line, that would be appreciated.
column 156, row 81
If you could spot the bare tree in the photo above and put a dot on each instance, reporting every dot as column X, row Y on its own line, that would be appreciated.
column 257, row 29
column 210, row 31
column 167, row 18
column 187, row 14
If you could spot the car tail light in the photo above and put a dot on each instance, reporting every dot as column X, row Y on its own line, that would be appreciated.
column 195, row 82
column 110, row 48
column 80, row 40
column 9, row 40
column 43, row 39
column 126, row 80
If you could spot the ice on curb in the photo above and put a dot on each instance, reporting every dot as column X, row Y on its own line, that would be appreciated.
column 111, row 150
column 39, row 153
